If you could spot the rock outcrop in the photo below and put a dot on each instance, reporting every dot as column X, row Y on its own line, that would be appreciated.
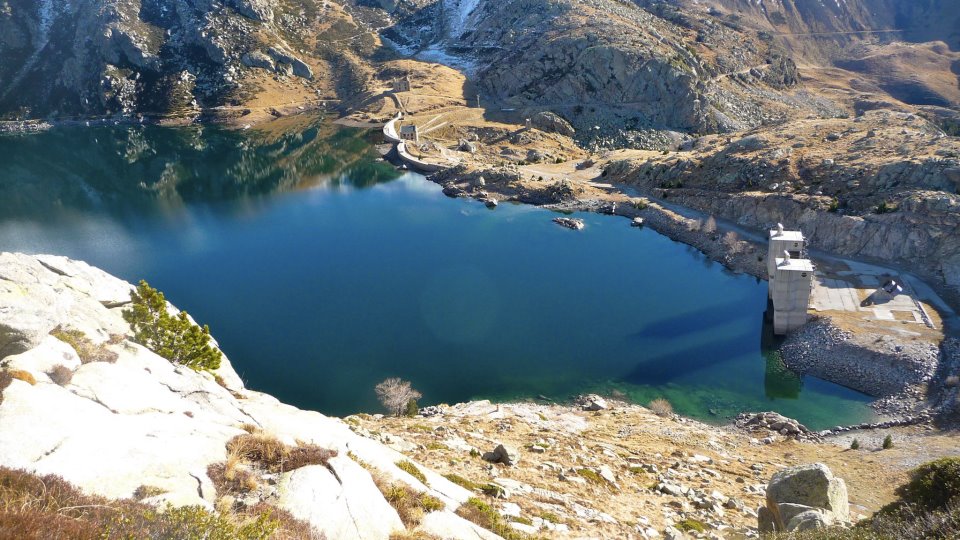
column 148, row 57
column 132, row 419
column 804, row 498
column 883, row 190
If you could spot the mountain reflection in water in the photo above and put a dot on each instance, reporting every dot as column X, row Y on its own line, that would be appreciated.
column 157, row 169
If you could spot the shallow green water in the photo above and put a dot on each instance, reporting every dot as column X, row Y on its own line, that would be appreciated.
column 321, row 272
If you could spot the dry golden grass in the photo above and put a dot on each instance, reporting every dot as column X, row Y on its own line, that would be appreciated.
column 410, row 505
column 23, row 375
column 48, row 508
column 252, row 454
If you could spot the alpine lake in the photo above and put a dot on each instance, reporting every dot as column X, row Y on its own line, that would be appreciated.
column 322, row 270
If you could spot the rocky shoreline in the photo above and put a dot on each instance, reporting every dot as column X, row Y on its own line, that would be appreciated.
column 895, row 371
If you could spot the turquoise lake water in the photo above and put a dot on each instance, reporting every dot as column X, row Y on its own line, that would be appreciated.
column 321, row 272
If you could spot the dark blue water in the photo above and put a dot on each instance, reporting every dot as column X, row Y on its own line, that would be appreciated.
column 322, row 272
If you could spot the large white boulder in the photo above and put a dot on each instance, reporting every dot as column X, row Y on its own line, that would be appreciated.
column 341, row 502
column 804, row 497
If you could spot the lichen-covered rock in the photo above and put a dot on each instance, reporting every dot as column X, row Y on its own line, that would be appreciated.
column 553, row 123
column 258, row 59
column 258, row 10
column 342, row 501
column 807, row 496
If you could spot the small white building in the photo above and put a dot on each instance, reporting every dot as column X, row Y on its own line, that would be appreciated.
column 789, row 279
column 780, row 241
column 790, row 290
column 410, row 132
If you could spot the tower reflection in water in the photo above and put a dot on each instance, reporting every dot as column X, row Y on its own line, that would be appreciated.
column 778, row 381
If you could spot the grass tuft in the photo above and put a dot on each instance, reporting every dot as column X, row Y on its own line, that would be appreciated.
column 86, row 349
column 463, row 482
column 485, row 516
column 411, row 469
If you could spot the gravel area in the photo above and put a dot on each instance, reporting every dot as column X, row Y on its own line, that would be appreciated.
column 892, row 370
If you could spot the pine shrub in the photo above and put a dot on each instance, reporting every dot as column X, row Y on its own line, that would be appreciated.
column 173, row 337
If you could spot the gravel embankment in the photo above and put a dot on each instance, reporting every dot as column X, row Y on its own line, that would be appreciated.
column 890, row 369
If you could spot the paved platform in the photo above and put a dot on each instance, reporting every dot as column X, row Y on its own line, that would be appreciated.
column 838, row 288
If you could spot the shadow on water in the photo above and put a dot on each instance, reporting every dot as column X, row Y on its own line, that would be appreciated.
column 688, row 323
column 779, row 382
column 152, row 169
column 663, row 368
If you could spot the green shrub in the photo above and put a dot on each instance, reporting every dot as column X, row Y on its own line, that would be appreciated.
column 484, row 515
column 173, row 337
column 932, row 485
column 591, row 476
column 462, row 482
column 887, row 442
column 411, row 469
column 689, row 524
column 412, row 409
column 409, row 504
column 885, row 208
column 855, row 445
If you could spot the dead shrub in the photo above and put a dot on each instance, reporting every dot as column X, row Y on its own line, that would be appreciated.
column 232, row 480
column 661, row 407
column 48, row 508
column 61, row 374
column 271, row 454
column 308, row 454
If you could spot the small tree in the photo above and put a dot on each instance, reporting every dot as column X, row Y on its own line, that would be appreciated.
column 174, row 337
column 732, row 241
column 710, row 226
column 887, row 442
column 395, row 394
column 855, row 445
column 412, row 408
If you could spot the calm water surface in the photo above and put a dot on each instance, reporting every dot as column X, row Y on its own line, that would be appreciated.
column 321, row 272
